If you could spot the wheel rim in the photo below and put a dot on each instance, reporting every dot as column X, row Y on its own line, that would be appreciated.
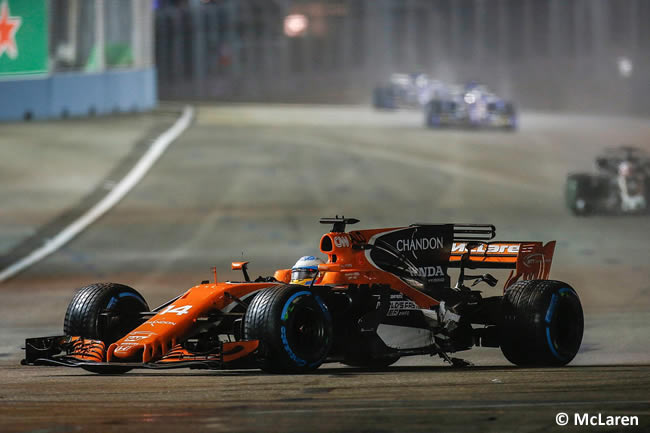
column 124, row 309
column 304, row 330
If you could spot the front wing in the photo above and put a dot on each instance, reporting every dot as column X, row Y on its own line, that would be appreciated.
column 68, row 351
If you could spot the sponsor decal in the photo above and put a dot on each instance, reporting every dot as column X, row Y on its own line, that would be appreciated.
column 160, row 322
column 401, row 308
column 136, row 337
column 125, row 347
column 342, row 241
column 9, row 25
column 429, row 271
column 459, row 248
column 533, row 262
column 24, row 37
column 420, row 244
column 534, row 259
column 423, row 250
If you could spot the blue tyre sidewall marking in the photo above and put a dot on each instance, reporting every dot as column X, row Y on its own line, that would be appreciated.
column 290, row 300
column 550, row 312
column 133, row 295
column 114, row 300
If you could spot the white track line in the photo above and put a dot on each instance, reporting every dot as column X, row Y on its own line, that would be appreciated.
column 118, row 192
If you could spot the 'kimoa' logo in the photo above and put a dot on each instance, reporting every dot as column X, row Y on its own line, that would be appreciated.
column 534, row 259
column 419, row 244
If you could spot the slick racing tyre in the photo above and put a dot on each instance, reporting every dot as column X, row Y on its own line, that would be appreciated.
column 542, row 323
column 579, row 194
column 104, row 311
column 294, row 328
column 511, row 114
column 433, row 113
column 383, row 98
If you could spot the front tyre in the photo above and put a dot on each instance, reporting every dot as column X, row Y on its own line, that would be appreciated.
column 106, row 312
column 294, row 327
column 542, row 323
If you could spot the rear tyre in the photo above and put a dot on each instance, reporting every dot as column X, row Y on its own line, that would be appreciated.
column 511, row 113
column 542, row 323
column 294, row 328
column 579, row 192
column 85, row 316
column 383, row 98
column 433, row 113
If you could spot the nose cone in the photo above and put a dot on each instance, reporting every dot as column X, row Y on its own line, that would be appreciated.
column 146, row 345
column 124, row 351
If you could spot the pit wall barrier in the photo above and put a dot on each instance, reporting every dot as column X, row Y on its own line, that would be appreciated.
column 77, row 94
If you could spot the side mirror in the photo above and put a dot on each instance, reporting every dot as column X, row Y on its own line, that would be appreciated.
column 243, row 266
column 283, row 275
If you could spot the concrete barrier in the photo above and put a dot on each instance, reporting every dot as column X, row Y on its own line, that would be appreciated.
column 78, row 94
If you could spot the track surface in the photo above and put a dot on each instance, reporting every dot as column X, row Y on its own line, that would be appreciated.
column 253, row 180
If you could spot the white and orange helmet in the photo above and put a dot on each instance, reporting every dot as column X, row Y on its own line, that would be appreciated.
column 305, row 269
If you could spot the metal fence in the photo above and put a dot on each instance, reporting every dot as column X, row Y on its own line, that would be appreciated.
column 551, row 54
column 94, row 35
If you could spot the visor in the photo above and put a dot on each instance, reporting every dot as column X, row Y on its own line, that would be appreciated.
column 303, row 274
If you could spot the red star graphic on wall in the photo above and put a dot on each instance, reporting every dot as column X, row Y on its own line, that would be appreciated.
column 8, row 27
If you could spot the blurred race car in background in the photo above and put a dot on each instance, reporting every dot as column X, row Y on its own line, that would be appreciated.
column 382, row 294
column 406, row 91
column 621, row 184
column 472, row 105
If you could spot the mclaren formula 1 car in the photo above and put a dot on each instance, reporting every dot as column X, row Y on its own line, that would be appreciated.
column 621, row 184
column 470, row 106
column 381, row 295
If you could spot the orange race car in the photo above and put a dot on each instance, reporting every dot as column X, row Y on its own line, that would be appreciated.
column 382, row 294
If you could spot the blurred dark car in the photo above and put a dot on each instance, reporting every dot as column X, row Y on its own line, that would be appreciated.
column 621, row 184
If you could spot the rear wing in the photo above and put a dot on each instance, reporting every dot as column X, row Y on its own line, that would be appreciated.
column 529, row 260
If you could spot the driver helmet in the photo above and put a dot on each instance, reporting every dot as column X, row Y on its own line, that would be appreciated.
column 625, row 169
column 305, row 269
